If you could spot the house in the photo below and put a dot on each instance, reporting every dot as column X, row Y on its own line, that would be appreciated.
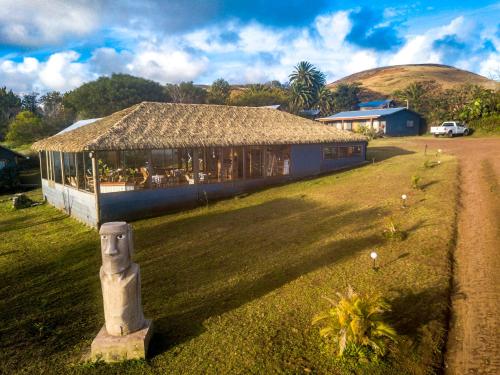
column 9, row 158
column 377, row 104
column 155, row 157
column 389, row 121
column 9, row 167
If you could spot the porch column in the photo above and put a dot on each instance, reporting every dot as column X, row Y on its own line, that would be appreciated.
column 63, row 177
column 244, row 156
column 371, row 123
column 97, row 190
column 196, row 166
column 77, row 173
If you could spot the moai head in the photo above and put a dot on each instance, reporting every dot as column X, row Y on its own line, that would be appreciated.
column 117, row 246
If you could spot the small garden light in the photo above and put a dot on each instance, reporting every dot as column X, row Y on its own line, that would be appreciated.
column 439, row 161
column 374, row 256
column 404, row 197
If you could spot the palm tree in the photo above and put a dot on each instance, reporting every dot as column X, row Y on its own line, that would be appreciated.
column 308, row 75
column 300, row 97
column 356, row 322
column 325, row 101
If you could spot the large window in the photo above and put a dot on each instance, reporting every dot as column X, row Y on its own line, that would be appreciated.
column 70, row 170
column 277, row 160
column 56, row 167
column 43, row 162
column 255, row 162
column 341, row 152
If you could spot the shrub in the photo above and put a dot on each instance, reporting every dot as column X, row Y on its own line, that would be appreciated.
column 488, row 125
column 429, row 164
column 415, row 182
column 353, row 327
column 393, row 231
column 367, row 131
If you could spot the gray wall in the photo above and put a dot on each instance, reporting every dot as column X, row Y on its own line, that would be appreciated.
column 76, row 203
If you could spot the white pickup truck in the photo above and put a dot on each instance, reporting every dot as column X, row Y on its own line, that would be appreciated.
column 449, row 129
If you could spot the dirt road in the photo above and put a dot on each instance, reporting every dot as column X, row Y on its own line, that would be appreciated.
column 474, row 339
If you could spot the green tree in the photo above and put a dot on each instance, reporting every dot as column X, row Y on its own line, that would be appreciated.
column 30, row 102
column 186, row 92
column 56, row 115
column 260, row 95
column 10, row 105
column 219, row 92
column 26, row 128
column 354, row 326
column 110, row 94
column 308, row 75
column 308, row 80
column 326, row 101
column 300, row 97
column 346, row 97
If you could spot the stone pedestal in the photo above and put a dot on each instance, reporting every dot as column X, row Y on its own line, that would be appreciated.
column 120, row 348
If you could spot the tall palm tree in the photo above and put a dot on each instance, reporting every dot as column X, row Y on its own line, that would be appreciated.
column 308, row 75
column 356, row 322
column 325, row 101
column 300, row 97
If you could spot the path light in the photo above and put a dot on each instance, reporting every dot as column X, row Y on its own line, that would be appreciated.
column 374, row 256
column 439, row 161
column 404, row 197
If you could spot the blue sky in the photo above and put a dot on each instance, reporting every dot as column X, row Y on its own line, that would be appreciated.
column 58, row 45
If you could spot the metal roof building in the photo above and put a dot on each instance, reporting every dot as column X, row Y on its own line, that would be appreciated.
column 390, row 121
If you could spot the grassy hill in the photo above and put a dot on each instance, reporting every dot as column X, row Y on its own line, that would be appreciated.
column 384, row 81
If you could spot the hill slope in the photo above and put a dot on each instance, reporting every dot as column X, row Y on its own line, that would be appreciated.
column 384, row 81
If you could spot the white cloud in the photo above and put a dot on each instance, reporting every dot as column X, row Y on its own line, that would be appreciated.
column 60, row 72
column 246, row 53
column 166, row 63
column 34, row 23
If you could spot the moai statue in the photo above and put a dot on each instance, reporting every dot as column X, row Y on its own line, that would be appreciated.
column 126, row 333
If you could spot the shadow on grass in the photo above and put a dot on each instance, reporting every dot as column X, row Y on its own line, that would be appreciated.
column 208, row 265
column 428, row 184
column 382, row 153
column 193, row 268
column 412, row 311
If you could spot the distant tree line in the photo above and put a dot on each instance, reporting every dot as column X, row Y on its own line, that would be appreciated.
column 468, row 103
column 29, row 117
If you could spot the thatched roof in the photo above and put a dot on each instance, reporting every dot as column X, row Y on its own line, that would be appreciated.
column 167, row 125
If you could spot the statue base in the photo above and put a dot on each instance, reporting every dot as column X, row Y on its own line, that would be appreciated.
column 109, row 348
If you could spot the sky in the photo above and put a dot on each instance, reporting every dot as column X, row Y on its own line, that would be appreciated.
column 57, row 45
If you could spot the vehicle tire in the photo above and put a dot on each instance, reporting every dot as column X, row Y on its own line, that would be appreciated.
column 450, row 134
column 436, row 135
column 466, row 132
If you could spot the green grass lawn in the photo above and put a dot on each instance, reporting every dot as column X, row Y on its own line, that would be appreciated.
column 232, row 287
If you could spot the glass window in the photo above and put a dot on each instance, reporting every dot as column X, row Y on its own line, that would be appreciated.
column 56, row 166
column 254, row 164
column 88, row 184
column 3, row 163
column 43, row 162
column 347, row 125
column 409, row 123
column 69, row 162
column 329, row 152
column 277, row 160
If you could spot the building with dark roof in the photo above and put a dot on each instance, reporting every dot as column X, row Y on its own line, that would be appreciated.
column 390, row 121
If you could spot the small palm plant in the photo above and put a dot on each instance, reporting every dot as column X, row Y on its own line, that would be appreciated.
column 393, row 231
column 415, row 182
column 354, row 326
